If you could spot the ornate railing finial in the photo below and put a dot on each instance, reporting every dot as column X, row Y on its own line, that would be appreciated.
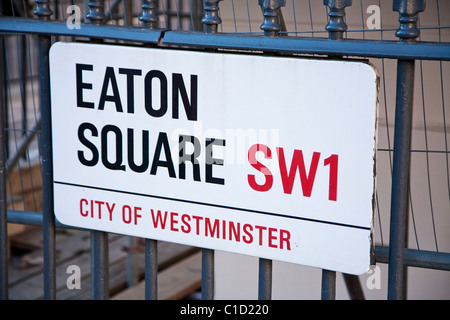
column 211, row 20
column 408, row 10
column 42, row 10
column 148, row 17
column 271, row 12
column 336, row 25
column 96, row 15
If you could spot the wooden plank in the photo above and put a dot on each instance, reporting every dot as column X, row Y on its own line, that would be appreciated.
column 26, row 179
column 25, row 186
column 68, row 244
column 73, row 248
column 181, row 279
column 175, row 282
column 168, row 254
column 29, row 285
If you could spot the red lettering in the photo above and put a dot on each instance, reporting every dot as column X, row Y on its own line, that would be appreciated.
column 126, row 214
column 136, row 214
column 85, row 214
column 99, row 208
column 260, row 167
column 197, row 223
column 186, row 227
column 159, row 220
column 93, row 208
column 110, row 210
column 173, row 222
column 236, row 231
column 226, row 230
column 307, row 180
column 285, row 237
column 260, row 228
column 333, row 162
column 248, row 237
column 211, row 230
column 272, row 237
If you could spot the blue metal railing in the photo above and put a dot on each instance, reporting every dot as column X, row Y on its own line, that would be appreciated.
column 406, row 51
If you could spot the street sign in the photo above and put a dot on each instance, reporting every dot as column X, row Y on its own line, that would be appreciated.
column 259, row 155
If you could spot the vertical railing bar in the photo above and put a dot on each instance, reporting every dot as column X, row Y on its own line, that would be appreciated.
column 210, row 21
column 328, row 285
column 400, row 178
column 6, row 97
column 47, row 181
column 55, row 10
column 99, row 265
column 265, row 279
column 149, row 19
column 207, row 274
column 336, row 27
column 99, row 239
column 4, row 91
column 272, row 25
column 22, row 48
column 151, row 269
column 407, row 32
column 49, row 242
column 3, row 200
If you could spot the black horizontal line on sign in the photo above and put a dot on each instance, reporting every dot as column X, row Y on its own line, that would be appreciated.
column 212, row 205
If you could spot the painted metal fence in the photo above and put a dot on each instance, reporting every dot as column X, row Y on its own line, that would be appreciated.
column 32, row 27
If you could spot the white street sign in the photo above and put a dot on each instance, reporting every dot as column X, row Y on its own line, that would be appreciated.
column 259, row 155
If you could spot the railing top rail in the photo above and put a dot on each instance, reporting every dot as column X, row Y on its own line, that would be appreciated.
column 55, row 28
column 293, row 45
